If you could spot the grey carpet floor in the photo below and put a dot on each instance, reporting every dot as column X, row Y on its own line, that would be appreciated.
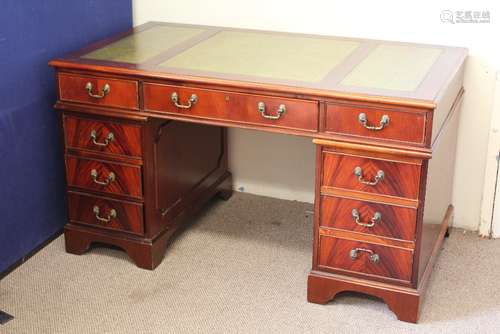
column 241, row 267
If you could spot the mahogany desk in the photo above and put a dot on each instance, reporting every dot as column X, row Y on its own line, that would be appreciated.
column 145, row 116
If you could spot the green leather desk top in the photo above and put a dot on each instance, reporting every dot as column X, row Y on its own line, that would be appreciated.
column 265, row 55
column 381, row 68
column 142, row 46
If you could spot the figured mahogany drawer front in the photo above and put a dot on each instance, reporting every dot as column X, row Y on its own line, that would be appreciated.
column 366, row 217
column 371, row 175
column 98, row 90
column 366, row 258
column 245, row 108
column 105, row 213
column 375, row 123
column 105, row 137
column 104, row 177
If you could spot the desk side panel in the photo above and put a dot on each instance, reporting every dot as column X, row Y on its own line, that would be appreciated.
column 182, row 161
column 439, row 187
column 445, row 101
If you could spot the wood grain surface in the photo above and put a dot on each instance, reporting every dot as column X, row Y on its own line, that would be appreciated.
column 223, row 105
column 400, row 179
column 127, row 178
column 334, row 253
column 127, row 137
column 396, row 222
column 403, row 125
column 129, row 215
column 122, row 94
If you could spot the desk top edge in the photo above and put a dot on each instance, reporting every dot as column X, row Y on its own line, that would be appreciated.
column 425, row 96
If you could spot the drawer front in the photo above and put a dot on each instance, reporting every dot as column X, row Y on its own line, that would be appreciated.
column 105, row 137
column 365, row 258
column 344, row 171
column 98, row 90
column 372, row 218
column 105, row 213
column 104, row 177
column 245, row 108
column 401, row 126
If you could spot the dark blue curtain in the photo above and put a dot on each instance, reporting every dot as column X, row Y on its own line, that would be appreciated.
column 32, row 205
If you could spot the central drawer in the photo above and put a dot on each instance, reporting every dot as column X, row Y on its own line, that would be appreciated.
column 236, row 107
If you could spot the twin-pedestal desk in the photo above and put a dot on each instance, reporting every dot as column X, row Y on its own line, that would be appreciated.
column 145, row 116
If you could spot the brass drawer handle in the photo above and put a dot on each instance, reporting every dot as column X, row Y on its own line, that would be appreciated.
column 262, row 109
column 354, row 253
column 112, row 214
column 384, row 121
column 192, row 101
column 377, row 216
column 109, row 138
column 359, row 173
column 105, row 91
column 111, row 177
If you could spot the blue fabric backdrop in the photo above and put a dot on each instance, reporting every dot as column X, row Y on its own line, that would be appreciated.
column 32, row 205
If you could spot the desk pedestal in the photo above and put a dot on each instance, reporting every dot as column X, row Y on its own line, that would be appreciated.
column 180, row 167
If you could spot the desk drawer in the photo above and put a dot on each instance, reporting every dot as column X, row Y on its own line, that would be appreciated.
column 371, row 175
column 234, row 107
column 352, row 120
column 365, row 258
column 105, row 137
column 104, row 177
column 106, row 213
column 98, row 90
column 372, row 218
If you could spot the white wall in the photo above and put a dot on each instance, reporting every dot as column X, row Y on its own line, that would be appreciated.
column 289, row 173
column 490, row 209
